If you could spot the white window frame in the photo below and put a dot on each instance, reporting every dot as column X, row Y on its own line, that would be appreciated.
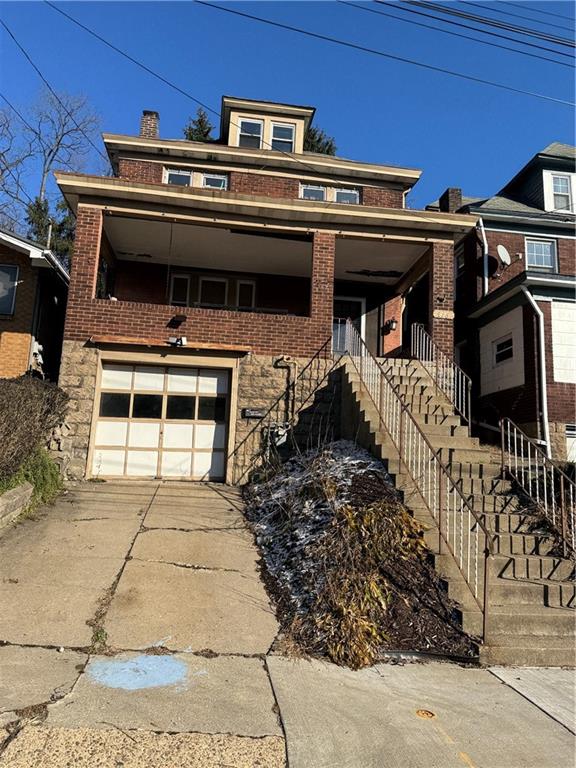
column 179, row 276
column 222, row 176
column 207, row 278
column 554, row 267
column 275, row 124
column 242, row 120
column 508, row 337
column 548, row 180
column 570, row 207
column 313, row 186
column 13, row 307
column 347, row 189
column 180, row 172
column 246, row 282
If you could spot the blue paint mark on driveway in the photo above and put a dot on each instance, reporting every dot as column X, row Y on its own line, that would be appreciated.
column 139, row 672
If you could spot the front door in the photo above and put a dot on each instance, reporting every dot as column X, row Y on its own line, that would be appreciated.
column 347, row 308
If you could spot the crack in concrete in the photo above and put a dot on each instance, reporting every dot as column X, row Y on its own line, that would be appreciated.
column 239, row 527
column 188, row 566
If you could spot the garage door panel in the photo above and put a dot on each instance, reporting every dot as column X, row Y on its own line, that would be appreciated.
column 142, row 434
column 212, row 381
column 112, row 433
column 147, row 378
column 108, row 462
column 116, row 377
column 208, row 466
column 176, row 464
column 182, row 380
column 142, row 463
column 178, row 436
column 210, row 436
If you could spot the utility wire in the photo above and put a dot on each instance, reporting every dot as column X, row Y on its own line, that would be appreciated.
column 22, row 118
column 170, row 84
column 494, row 23
column 537, row 10
column 453, row 34
column 514, row 15
column 384, row 54
column 52, row 91
column 460, row 24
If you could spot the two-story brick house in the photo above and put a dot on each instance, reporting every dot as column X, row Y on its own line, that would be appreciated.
column 33, row 291
column 516, row 299
column 197, row 265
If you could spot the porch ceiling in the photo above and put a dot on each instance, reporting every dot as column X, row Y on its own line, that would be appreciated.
column 375, row 261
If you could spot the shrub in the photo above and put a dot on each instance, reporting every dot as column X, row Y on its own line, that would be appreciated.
column 29, row 410
column 42, row 473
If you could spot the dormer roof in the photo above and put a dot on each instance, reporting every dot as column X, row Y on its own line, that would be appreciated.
column 273, row 108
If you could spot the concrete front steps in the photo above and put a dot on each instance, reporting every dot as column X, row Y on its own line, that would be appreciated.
column 532, row 591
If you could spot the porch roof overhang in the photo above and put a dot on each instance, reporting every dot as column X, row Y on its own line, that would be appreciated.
column 541, row 283
column 214, row 206
column 38, row 255
column 307, row 162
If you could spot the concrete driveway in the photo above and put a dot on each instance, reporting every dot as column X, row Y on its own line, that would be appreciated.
column 135, row 631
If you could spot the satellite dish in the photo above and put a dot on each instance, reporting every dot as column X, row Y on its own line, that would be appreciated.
column 504, row 255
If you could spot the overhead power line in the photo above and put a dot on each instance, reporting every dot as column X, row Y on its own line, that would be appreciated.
column 513, row 15
column 449, row 32
column 537, row 10
column 494, row 23
column 52, row 91
column 384, row 54
column 405, row 9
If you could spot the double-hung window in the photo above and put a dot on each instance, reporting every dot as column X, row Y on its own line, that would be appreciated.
column 246, row 294
column 178, row 176
column 349, row 196
column 283, row 137
column 541, row 254
column 179, row 290
column 562, row 191
column 312, row 192
column 215, row 180
column 250, row 134
column 213, row 291
column 503, row 349
column 8, row 283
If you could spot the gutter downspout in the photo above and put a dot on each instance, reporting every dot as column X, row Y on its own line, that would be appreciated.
column 484, row 258
column 542, row 366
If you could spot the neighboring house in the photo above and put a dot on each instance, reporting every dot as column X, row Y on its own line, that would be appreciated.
column 516, row 299
column 33, row 292
column 198, row 265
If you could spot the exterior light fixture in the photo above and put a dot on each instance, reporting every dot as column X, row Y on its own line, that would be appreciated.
column 390, row 325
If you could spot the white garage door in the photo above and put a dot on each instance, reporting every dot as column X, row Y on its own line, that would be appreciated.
column 161, row 422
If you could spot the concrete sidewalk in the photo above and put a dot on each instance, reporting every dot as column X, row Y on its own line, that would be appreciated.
column 135, row 631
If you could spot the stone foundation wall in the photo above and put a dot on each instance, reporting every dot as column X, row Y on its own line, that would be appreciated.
column 14, row 502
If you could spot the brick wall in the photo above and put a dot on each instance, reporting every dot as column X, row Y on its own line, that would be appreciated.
column 382, row 197
column 392, row 341
column 266, row 334
column 15, row 330
column 267, row 186
column 441, row 296
column 140, row 170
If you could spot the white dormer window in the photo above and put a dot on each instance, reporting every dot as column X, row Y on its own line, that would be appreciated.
column 250, row 134
column 559, row 190
column 283, row 137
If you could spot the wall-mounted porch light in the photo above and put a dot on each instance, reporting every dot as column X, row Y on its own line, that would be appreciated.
column 390, row 325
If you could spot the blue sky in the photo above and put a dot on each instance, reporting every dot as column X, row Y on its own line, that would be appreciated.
column 459, row 133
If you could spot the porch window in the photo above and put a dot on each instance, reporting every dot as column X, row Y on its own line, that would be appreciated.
column 213, row 291
column 541, row 254
column 215, row 181
column 503, row 349
column 283, row 137
column 177, row 176
column 562, row 191
column 179, row 290
column 349, row 196
column 8, row 283
column 250, row 134
column 311, row 192
column 246, row 293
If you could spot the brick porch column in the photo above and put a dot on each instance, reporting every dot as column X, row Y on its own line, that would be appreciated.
column 85, row 259
column 441, row 297
column 322, row 284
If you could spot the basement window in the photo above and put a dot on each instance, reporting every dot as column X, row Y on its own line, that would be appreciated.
column 312, row 192
column 179, row 177
column 283, row 137
column 250, row 134
column 8, row 283
column 503, row 349
column 215, row 181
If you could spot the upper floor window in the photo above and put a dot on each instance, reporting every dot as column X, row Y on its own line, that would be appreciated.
column 312, row 192
column 349, row 196
column 541, row 254
column 246, row 294
column 283, row 137
column 213, row 291
column 215, row 180
column 250, row 134
column 561, row 188
column 8, row 283
column 179, row 290
column 503, row 349
column 178, row 176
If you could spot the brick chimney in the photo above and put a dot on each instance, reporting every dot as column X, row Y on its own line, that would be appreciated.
column 451, row 200
column 149, row 124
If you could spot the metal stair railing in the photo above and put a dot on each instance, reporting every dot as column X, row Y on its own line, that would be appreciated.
column 542, row 480
column 461, row 528
column 445, row 373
